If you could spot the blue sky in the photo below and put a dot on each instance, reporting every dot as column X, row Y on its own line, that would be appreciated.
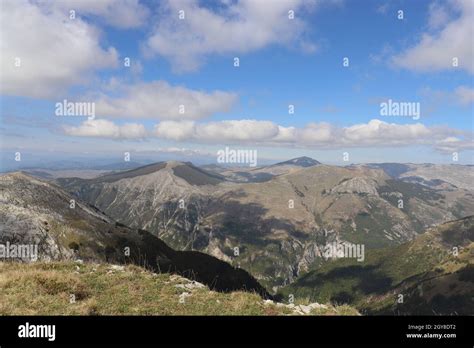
column 283, row 62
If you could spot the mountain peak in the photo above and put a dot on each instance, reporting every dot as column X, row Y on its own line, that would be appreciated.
column 185, row 170
column 302, row 161
column 173, row 164
column 21, row 176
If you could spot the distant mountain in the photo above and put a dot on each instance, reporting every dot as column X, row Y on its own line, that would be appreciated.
column 265, row 173
column 118, row 166
column 433, row 274
column 447, row 176
column 71, row 164
column 300, row 162
column 271, row 228
column 184, row 170
column 37, row 212
column 392, row 169
column 51, row 175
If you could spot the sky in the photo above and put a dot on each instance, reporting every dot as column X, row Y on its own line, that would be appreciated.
column 160, row 80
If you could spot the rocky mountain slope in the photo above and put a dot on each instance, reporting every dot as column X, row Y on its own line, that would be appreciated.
column 432, row 274
column 272, row 229
column 34, row 212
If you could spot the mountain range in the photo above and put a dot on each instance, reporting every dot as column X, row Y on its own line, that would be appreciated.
column 272, row 228
column 230, row 233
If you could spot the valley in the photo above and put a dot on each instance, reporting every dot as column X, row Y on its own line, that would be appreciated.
column 276, row 225
column 358, row 235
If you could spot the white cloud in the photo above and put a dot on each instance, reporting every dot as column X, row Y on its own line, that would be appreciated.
column 159, row 100
column 236, row 27
column 451, row 144
column 285, row 134
column 225, row 131
column 55, row 52
column 375, row 133
column 316, row 133
column 437, row 48
column 107, row 129
column 175, row 130
column 237, row 130
column 118, row 13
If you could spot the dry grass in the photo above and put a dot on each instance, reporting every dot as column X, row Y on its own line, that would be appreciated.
column 99, row 289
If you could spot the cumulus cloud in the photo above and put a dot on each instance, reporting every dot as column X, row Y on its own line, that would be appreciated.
column 450, row 36
column 235, row 27
column 236, row 130
column 175, row 130
column 160, row 100
column 53, row 51
column 450, row 144
column 233, row 131
column 314, row 135
column 321, row 135
column 107, row 129
column 376, row 132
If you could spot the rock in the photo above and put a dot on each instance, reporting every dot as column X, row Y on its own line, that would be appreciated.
column 117, row 268
column 190, row 285
column 183, row 296
column 357, row 185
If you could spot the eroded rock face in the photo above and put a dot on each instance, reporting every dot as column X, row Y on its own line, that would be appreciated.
column 357, row 185
column 23, row 222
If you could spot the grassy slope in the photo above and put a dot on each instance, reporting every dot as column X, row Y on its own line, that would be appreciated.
column 102, row 289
